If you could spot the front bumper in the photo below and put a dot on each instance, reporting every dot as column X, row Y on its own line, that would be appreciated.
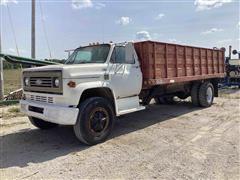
column 51, row 113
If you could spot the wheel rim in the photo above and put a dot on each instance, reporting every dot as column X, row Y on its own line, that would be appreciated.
column 99, row 120
column 209, row 95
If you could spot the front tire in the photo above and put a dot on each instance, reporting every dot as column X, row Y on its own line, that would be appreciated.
column 41, row 124
column 95, row 121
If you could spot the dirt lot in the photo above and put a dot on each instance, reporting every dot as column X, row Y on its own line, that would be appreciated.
column 165, row 142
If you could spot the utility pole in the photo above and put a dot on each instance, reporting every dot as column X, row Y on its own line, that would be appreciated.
column 1, row 70
column 33, row 42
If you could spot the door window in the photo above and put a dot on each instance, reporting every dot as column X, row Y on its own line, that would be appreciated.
column 119, row 56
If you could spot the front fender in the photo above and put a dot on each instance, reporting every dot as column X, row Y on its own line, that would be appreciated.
column 77, row 92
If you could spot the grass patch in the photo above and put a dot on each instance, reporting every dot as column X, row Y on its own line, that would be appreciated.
column 10, row 112
column 14, row 110
column 12, row 80
column 8, row 102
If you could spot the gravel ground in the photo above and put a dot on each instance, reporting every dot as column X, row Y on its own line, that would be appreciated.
column 165, row 142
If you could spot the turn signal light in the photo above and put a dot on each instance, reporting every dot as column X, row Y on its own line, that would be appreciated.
column 71, row 84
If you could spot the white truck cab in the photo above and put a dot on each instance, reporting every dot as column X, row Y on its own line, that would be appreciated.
column 97, row 83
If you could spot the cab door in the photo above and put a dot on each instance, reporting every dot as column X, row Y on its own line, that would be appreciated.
column 125, row 73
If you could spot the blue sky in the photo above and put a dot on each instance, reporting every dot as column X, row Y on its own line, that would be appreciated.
column 71, row 23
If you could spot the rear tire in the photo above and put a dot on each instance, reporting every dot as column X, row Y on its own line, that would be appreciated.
column 194, row 94
column 95, row 121
column 41, row 124
column 206, row 94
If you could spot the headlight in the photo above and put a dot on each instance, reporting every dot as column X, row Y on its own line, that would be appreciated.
column 26, row 81
column 56, row 82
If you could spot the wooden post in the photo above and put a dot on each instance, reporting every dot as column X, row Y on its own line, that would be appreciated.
column 207, row 62
column 200, row 58
column 155, row 62
column 185, row 60
column 176, row 50
column 33, row 42
column 166, row 60
column 213, row 70
column 193, row 60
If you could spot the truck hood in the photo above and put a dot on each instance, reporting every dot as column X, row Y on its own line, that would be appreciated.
column 75, row 71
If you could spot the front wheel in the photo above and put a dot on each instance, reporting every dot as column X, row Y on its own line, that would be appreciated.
column 95, row 121
column 41, row 124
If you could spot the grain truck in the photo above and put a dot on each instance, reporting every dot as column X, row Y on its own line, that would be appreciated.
column 100, row 82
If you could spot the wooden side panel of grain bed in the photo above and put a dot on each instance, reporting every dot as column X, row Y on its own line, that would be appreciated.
column 164, row 63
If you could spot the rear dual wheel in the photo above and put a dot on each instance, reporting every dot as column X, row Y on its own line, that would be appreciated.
column 206, row 94
column 202, row 94
column 194, row 94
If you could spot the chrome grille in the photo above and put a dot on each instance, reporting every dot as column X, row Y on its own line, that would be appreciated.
column 50, row 99
column 41, row 82
column 43, row 99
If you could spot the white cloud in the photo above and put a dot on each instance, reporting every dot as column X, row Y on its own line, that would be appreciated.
column 143, row 35
column 82, row 4
column 124, row 21
column 202, row 5
column 159, row 16
column 5, row 2
column 212, row 30
column 238, row 25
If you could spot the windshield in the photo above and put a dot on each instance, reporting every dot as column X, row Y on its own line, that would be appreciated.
column 89, row 54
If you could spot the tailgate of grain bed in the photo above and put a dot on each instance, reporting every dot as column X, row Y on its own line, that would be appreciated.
column 164, row 63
